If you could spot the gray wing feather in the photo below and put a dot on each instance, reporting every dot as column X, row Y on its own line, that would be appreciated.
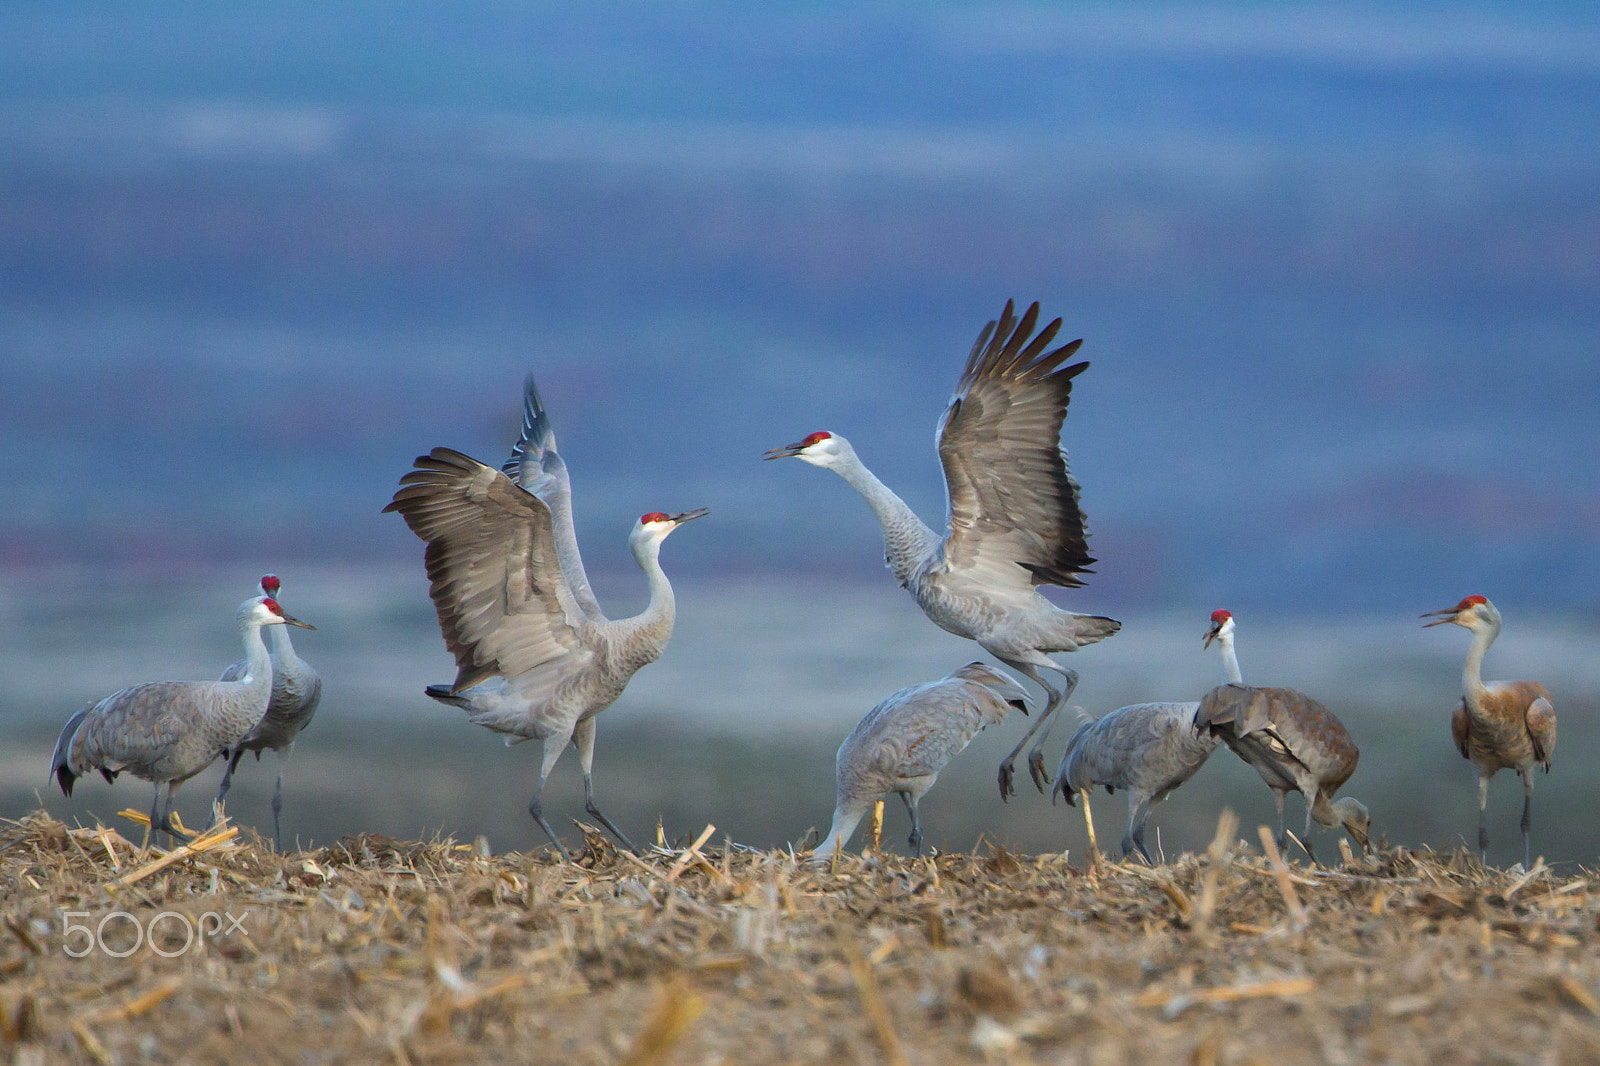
column 1149, row 747
column 1014, row 506
column 502, row 601
column 537, row 467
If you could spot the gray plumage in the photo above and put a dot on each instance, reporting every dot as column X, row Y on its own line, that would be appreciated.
column 531, row 661
column 903, row 743
column 296, row 691
column 1296, row 745
column 1148, row 749
column 167, row 731
column 1014, row 517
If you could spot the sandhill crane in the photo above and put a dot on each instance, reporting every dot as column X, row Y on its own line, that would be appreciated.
column 903, row 743
column 533, row 660
column 296, row 689
column 1147, row 748
column 1501, row 725
column 1014, row 517
column 1296, row 745
column 168, row 731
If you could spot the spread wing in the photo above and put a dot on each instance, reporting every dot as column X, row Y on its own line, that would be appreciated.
column 538, row 468
column 503, row 604
column 1014, row 510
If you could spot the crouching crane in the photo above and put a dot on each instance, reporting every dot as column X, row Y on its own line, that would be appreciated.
column 1149, row 749
column 905, row 741
column 168, row 731
column 1499, row 725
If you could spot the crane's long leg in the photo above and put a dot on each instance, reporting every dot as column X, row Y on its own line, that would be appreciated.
column 1138, row 810
column 164, row 825
column 1036, row 769
column 1305, row 842
column 227, row 783
column 553, row 747
column 1088, row 822
column 155, row 814
column 1483, row 819
column 583, row 738
column 277, row 796
column 1527, row 818
column 916, row 824
column 1052, row 704
column 1283, row 834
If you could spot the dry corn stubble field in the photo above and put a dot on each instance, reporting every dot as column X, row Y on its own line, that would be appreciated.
column 382, row 950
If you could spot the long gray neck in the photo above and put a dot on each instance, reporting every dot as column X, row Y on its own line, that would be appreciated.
column 278, row 643
column 1472, row 672
column 258, row 660
column 907, row 540
column 1230, row 661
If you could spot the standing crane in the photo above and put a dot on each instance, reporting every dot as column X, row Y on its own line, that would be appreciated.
column 1501, row 725
column 296, row 690
column 903, row 743
column 1014, row 518
column 168, row 731
column 1296, row 745
column 1147, row 748
column 535, row 657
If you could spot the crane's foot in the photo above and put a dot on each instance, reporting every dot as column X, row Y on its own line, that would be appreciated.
column 622, row 838
column 538, row 816
column 1007, row 773
column 1041, row 777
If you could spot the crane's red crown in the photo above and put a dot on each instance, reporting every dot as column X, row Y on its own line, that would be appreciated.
column 814, row 438
column 271, row 583
column 1220, row 616
column 272, row 605
column 653, row 516
column 1471, row 601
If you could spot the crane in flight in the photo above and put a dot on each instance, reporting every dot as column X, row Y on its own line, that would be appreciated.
column 535, row 657
column 296, row 690
column 1014, row 518
column 903, row 743
column 1149, row 749
column 167, row 731
column 1499, row 725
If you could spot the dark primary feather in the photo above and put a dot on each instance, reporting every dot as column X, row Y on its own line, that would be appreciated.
column 1011, row 493
column 496, row 584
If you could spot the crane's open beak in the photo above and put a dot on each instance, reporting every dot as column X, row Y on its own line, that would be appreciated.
column 1449, row 614
column 291, row 620
column 688, row 516
column 787, row 451
column 1211, row 634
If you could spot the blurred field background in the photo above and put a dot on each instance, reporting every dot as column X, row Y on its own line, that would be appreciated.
column 1338, row 270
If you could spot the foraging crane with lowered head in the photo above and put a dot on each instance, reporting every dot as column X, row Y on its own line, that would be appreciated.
column 1014, row 518
column 168, row 731
column 1296, row 745
column 535, row 657
column 1149, row 749
column 905, row 741
column 296, row 691
column 1499, row 725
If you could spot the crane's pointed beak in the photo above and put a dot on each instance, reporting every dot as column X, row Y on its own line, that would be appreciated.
column 688, row 516
column 291, row 620
column 1211, row 634
column 787, row 451
column 1449, row 614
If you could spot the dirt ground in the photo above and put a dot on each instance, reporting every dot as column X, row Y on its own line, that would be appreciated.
column 376, row 950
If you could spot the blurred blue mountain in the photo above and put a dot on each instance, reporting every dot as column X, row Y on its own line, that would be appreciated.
column 1337, row 268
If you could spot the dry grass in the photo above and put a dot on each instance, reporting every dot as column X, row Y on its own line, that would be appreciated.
column 382, row 950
